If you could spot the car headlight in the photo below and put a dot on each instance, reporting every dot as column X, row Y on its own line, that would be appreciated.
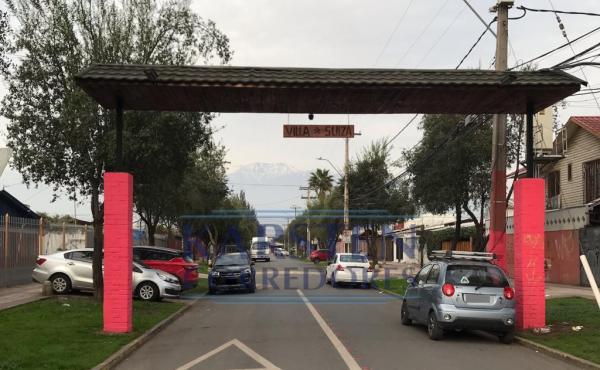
column 246, row 271
column 167, row 278
column 214, row 273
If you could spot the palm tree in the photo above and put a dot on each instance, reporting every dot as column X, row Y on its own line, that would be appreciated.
column 322, row 181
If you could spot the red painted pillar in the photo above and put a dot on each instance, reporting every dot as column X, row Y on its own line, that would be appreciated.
column 118, row 252
column 529, row 253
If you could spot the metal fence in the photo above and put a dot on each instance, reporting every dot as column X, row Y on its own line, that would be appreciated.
column 19, row 247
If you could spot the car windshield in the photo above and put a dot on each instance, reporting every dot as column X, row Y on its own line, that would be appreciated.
column 358, row 258
column 260, row 245
column 231, row 260
column 475, row 275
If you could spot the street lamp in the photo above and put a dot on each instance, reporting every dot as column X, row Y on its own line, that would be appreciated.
column 332, row 165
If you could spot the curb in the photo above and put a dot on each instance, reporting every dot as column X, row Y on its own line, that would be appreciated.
column 382, row 290
column 132, row 346
column 584, row 364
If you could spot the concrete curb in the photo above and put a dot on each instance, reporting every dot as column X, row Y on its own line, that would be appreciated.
column 584, row 364
column 382, row 290
column 132, row 346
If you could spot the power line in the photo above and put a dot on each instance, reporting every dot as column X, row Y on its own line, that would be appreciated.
column 475, row 44
column 442, row 35
column 422, row 32
column 401, row 130
column 387, row 43
column 557, row 11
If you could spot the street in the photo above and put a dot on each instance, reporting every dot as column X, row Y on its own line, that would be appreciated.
column 331, row 328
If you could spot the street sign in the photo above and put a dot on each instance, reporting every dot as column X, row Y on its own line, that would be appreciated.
column 347, row 236
column 318, row 131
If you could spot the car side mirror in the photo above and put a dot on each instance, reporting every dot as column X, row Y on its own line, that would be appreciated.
column 410, row 280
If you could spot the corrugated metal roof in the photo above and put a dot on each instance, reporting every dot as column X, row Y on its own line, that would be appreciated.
column 323, row 90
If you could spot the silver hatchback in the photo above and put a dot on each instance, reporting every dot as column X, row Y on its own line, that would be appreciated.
column 73, row 270
column 461, row 290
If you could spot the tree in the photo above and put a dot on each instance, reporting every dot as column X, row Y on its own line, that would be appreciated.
column 4, row 32
column 450, row 168
column 59, row 135
column 322, row 182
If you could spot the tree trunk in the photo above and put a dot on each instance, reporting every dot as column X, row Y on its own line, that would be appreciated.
column 457, row 227
column 479, row 227
column 98, row 222
column 151, row 231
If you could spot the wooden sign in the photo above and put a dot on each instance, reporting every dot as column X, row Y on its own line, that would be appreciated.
column 318, row 131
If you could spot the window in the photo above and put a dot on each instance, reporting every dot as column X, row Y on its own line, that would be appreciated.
column 422, row 276
column 553, row 184
column 591, row 173
column 83, row 256
column 475, row 275
column 433, row 275
column 357, row 258
column 569, row 172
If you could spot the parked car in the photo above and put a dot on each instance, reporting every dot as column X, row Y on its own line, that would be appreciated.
column 461, row 290
column 171, row 261
column 319, row 255
column 232, row 271
column 260, row 249
column 73, row 270
column 280, row 252
column 349, row 268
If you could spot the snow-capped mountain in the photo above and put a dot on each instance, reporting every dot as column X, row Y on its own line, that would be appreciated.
column 270, row 185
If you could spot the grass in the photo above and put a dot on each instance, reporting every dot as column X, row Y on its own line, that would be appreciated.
column 392, row 285
column 66, row 332
column 201, row 288
column 203, row 267
column 563, row 314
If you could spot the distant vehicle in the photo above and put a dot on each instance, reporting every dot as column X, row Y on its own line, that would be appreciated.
column 280, row 252
column 461, row 290
column 349, row 268
column 171, row 261
column 73, row 270
column 260, row 249
column 319, row 255
column 232, row 271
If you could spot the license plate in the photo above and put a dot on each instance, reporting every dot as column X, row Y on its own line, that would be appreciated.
column 476, row 298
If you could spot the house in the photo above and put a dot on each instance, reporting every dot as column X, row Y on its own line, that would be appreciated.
column 571, row 170
column 14, row 208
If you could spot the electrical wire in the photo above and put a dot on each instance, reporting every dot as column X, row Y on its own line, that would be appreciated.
column 475, row 44
column 442, row 35
column 401, row 130
column 387, row 43
column 557, row 11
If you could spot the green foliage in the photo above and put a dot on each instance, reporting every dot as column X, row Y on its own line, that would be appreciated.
column 59, row 135
column 4, row 33
column 322, row 182
column 66, row 333
column 433, row 238
column 392, row 285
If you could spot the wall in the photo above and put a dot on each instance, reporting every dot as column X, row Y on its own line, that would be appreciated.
column 561, row 250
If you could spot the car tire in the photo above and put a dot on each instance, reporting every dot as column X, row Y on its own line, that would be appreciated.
column 212, row 291
column 61, row 284
column 404, row 317
column 333, row 283
column 147, row 291
column 268, row 260
column 433, row 328
column 507, row 337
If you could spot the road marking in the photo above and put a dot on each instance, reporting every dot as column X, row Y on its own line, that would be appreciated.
column 339, row 346
column 242, row 347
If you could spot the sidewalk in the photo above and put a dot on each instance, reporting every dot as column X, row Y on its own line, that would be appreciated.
column 17, row 295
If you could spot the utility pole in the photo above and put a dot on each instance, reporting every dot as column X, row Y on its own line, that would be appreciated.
column 307, row 197
column 295, row 208
column 346, row 197
column 497, row 239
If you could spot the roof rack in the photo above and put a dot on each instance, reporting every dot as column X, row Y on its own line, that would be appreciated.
column 460, row 255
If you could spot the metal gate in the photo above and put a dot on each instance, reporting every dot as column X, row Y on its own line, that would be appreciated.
column 589, row 242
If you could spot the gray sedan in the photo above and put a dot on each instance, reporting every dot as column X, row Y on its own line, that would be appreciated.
column 73, row 270
column 461, row 293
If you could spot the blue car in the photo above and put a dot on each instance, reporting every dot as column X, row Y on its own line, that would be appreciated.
column 232, row 271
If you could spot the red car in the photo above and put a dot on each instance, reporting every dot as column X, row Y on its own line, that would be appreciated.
column 319, row 255
column 171, row 261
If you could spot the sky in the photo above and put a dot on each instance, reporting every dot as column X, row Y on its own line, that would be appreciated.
column 356, row 34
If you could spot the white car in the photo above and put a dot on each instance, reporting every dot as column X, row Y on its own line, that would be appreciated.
column 73, row 270
column 280, row 252
column 349, row 268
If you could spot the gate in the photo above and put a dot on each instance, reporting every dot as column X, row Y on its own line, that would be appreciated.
column 589, row 241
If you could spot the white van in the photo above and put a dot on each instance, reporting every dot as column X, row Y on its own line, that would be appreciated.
column 260, row 250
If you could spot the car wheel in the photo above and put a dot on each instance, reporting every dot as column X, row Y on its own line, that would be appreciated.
column 433, row 328
column 61, row 284
column 268, row 260
column 507, row 337
column 404, row 318
column 148, row 291
column 333, row 283
column 212, row 291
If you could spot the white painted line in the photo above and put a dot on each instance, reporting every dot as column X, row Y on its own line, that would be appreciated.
column 337, row 344
column 267, row 365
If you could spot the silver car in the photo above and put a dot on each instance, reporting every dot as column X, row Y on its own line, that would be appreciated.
column 73, row 270
column 461, row 290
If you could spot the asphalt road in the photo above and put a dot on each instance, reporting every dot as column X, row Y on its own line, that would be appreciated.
column 295, row 322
